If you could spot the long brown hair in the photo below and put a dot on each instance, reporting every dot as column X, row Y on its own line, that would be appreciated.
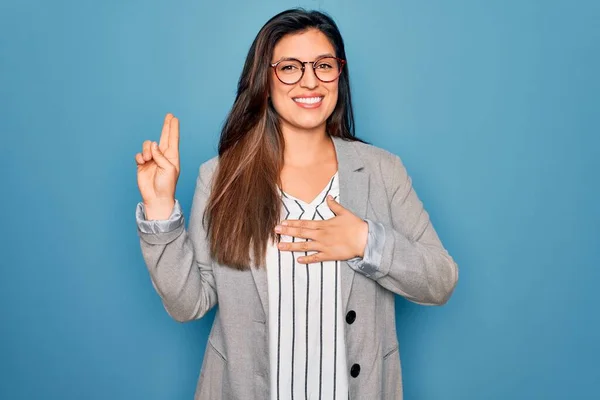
column 244, row 205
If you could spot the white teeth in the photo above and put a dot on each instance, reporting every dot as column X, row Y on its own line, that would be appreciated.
column 308, row 100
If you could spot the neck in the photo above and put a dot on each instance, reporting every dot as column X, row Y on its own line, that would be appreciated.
column 306, row 147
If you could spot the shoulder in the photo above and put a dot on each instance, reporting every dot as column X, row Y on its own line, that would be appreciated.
column 369, row 152
column 207, row 170
column 386, row 168
column 379, row 159
column 209, row 166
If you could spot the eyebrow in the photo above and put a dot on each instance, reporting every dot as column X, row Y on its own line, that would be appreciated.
column 319, row 56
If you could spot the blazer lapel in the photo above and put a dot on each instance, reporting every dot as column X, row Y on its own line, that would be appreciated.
column 259, row 273
column 354, row 189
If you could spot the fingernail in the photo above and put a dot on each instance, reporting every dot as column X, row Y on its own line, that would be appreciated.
column 278, row 229
column 285, row 223
column 329, row 197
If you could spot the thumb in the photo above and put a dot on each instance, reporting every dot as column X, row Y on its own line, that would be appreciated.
column 334, row 206
column 159, row 157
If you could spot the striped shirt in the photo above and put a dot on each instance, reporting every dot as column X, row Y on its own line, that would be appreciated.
column 306, row 333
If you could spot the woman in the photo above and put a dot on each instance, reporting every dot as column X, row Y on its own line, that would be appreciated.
column 300, row 231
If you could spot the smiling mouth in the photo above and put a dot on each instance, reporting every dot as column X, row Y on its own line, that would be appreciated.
column 308, row 100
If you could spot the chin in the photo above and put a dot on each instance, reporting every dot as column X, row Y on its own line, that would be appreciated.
column 308, row 122
column 308, row 125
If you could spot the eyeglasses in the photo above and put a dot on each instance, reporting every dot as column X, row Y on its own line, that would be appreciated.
column 291, row 70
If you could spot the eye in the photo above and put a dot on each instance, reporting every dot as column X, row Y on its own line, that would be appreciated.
column 289, row 67
column 324, row 65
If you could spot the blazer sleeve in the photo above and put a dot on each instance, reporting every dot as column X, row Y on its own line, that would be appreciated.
column 178, row 260
column 406, row 255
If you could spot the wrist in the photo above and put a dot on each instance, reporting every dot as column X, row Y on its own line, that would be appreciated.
column 363, row 234
column 159, row 209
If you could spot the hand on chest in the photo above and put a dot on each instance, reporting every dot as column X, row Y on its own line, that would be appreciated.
column 317, row 209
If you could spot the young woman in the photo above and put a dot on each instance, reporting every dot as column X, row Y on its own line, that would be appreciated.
column 301, row 232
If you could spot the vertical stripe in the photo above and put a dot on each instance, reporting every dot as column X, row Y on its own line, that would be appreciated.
column 279, row 315
column 307, row 299
column 321, row 338
column 321, row 322
column 279, row 324
column 326, row 193
column 320, row 215
column 335, row 331
column 287, row 211
column 294, row 309
column 293, row 319
column 307, row 318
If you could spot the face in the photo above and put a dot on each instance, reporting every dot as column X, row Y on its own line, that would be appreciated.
column 307, row 104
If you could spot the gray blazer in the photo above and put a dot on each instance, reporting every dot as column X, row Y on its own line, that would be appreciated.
column 409, row 260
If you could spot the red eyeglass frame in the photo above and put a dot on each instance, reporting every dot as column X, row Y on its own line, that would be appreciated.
column 274, row 65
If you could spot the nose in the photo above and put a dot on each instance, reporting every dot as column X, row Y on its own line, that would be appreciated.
column 309, row 79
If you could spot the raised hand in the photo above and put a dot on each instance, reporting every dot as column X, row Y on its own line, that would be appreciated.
column 158, row 170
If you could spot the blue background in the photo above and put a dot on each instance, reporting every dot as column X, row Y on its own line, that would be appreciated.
column 493, row 106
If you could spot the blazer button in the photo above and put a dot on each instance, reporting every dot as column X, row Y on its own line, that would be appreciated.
column 355, row 370
column 351, row 317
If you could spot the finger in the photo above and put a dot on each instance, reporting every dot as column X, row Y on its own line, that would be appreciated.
column 303, row 223
column 164, row 134
column 174, row 136
column 311, row 245
column 139, row 159
column 146, row 151
column 159, row 157
column 314, row 258
column 334, row 206
column 303, row 233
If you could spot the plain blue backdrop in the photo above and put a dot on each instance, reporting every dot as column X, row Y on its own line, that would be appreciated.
column 492, row 105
